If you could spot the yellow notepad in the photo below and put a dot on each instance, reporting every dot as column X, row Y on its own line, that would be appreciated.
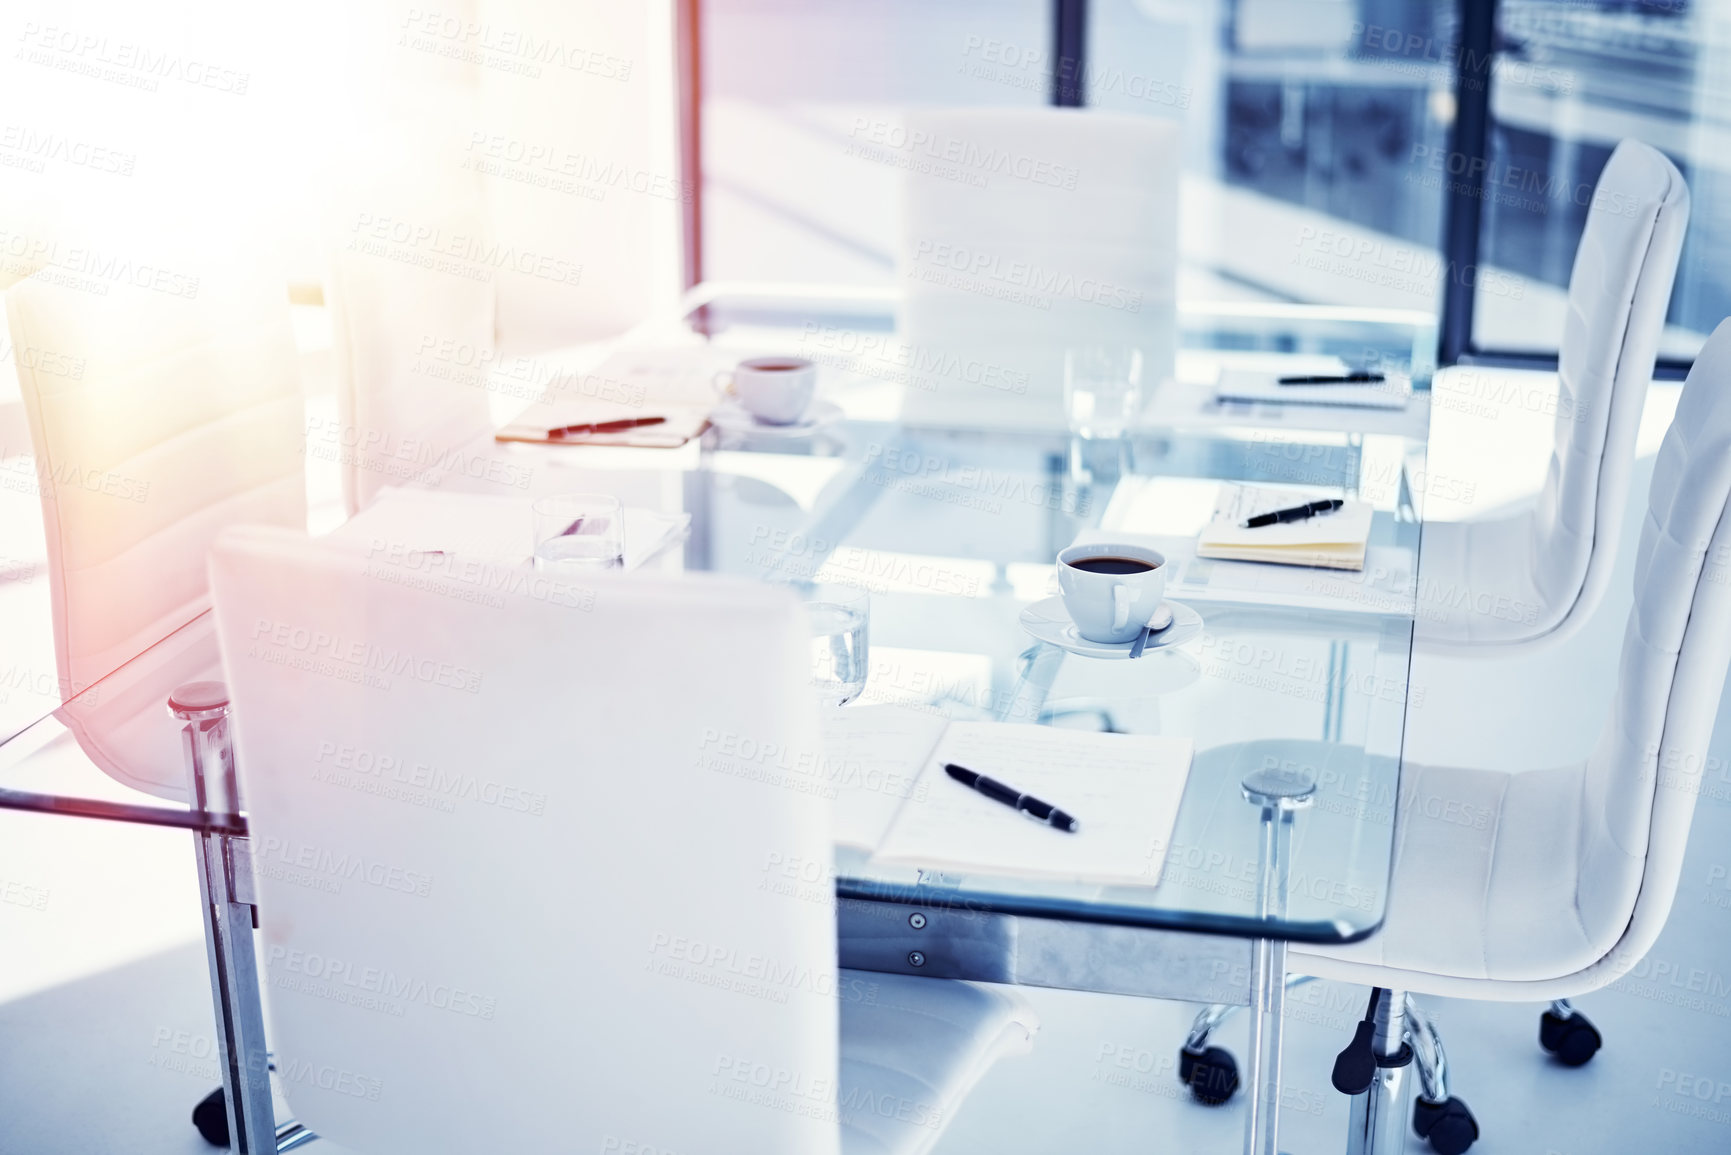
column 1332, row 540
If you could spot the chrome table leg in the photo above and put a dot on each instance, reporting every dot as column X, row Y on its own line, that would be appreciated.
column 1267, row 1006
column 1280, row 791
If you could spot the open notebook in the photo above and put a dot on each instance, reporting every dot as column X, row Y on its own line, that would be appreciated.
column 1332, row 540
column 675, row 384
column 898, row 803
column 1264, row 387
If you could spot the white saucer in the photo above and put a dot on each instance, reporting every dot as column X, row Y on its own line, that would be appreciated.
column 731, row 417
column 1049, row 621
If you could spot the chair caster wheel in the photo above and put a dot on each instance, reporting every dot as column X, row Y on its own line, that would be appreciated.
column 1212, row 1076
column 211, row 1118
column 1573, row 1040
column 1448, row 1125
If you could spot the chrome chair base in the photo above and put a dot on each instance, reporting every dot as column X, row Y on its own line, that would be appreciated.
column 1211, row 1072
column 243, row 1113
column 1400, row 1034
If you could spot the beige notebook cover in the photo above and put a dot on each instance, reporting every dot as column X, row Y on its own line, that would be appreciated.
column 1332, row 540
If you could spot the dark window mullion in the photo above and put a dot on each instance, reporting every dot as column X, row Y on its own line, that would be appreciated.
column 1469, row 142
column 1069, row 52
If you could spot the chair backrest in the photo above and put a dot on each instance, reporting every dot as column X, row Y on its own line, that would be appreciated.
column 1025, row 231
column 511, row 852
column 183, row 415
column 1619, row 290
column 411, row 349
column 1643, row 779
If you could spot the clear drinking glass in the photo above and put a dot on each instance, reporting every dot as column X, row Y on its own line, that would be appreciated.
column 1102, row 389
column 579, row 533
column 839, row 618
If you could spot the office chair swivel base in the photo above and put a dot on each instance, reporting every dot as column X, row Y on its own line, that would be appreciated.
column 1211, row 1073
column 211, row 1119
column 1568, row 1034
column 1395, row 1034
column 1448, row 1125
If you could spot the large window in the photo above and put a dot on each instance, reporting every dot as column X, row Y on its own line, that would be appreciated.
column 1299, row 130
column 1569, row 80
column 1322, row 138
column 802, row 101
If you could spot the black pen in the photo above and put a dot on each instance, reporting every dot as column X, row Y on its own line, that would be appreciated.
column 1356, row 377
column 1296, row 513
column 1010, row 796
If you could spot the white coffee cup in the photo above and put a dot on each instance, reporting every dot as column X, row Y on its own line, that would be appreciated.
column 775, row 390
column 1113, row 599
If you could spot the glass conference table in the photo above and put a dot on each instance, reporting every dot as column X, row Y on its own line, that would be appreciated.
column 1294, row 696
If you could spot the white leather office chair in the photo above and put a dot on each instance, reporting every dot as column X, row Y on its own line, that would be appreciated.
column 1566, row 882
column 411, row 347
column 511, row 865
column 1538, row 574
column 186, row 417
column 1025, row 231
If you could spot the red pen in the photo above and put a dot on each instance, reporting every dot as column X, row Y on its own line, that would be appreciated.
column 618, row 426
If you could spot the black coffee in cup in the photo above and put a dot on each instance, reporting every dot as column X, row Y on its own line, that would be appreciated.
column 1111, row 565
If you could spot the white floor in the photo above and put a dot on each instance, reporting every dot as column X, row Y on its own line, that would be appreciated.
column 113, row 1060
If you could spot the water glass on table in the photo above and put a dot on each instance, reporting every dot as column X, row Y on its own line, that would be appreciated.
column 579, row 533
column 839, row 617
column 1102, row 389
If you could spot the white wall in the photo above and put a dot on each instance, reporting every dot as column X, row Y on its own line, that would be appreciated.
column 577, row 152
column 194, row 130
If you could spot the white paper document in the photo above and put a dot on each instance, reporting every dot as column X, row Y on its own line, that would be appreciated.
column 1265, row 387
column 676, row 384
column 679, row 424
column 485, row 527
column 1124, row 790
column 874, row 755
